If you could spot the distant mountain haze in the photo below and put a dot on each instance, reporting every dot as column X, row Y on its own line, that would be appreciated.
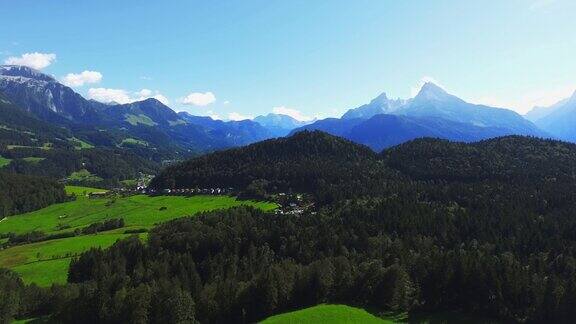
column 379, row 105
column 433, row 101
column 278, row 124
column 432, row 113
column 558, row 119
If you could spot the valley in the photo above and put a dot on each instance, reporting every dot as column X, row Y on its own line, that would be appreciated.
column 45, row 263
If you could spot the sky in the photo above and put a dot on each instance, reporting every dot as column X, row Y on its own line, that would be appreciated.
column 308, row 59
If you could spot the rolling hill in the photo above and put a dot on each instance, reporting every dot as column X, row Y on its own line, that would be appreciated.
column 326, row 314
column 306, row 161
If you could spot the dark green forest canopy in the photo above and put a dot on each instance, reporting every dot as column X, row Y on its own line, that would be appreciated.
column 21, row 193
column 329, row 166
column 112, row 165
column 333, row 168
column 504, row 158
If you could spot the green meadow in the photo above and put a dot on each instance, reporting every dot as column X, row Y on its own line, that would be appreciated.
column 133, row 141
column 4, row 161
column 33, row 159
column 342, row 314
column 80, row 144
column 47, row 262
column 329, row 314
column 85, row 176
column 44, row 263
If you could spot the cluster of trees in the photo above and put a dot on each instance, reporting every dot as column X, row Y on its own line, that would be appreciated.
column 106, row 225
column 34, row 236
column 21, row 193
column 39, row 236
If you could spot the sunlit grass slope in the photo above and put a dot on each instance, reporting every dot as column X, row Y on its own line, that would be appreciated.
column 47, row 262
column 329, row 314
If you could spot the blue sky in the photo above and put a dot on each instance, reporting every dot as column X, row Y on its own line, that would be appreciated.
column 307, row 58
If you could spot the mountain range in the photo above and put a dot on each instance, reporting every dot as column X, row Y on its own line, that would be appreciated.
column 148, row 121
column 432, row 113
column 378, row 105
column 152, row 127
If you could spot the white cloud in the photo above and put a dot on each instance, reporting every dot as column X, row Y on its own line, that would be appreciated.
column 34, row 60
column 296, row 114
column 144, row 93
column 158, row 96
column 213, row 115
column 145, row 77
column 199, row 99
column 78, row 80
column 109, row 95
column 123, row 97
column 237, row 116
column 226, row 102
column 147, row 93
column 425, row 79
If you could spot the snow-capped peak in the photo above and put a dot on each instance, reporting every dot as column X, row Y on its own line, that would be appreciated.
column 381, row 99
column 431, row 91
column 24, row 72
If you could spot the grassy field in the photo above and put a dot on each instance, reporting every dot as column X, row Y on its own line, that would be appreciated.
column 333, row 314
column 46, row 262
column 133, row 141
column 339, row 314
column 137, row 211
column 84, row 175
column 82, row 191
column 139, row 119
column 33, row 159
column 4, row 161
column 45, row 146
column 80, row 144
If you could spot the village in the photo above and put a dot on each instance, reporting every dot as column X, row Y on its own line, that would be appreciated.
column 288, row 203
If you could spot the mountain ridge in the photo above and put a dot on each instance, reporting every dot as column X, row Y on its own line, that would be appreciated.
column 148, row 120
column 433, row 112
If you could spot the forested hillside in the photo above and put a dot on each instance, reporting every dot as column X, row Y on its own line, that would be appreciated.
column 332, row 168
column 20, row 193
column 31, row 146
column 106, row 166
column 506, row 158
